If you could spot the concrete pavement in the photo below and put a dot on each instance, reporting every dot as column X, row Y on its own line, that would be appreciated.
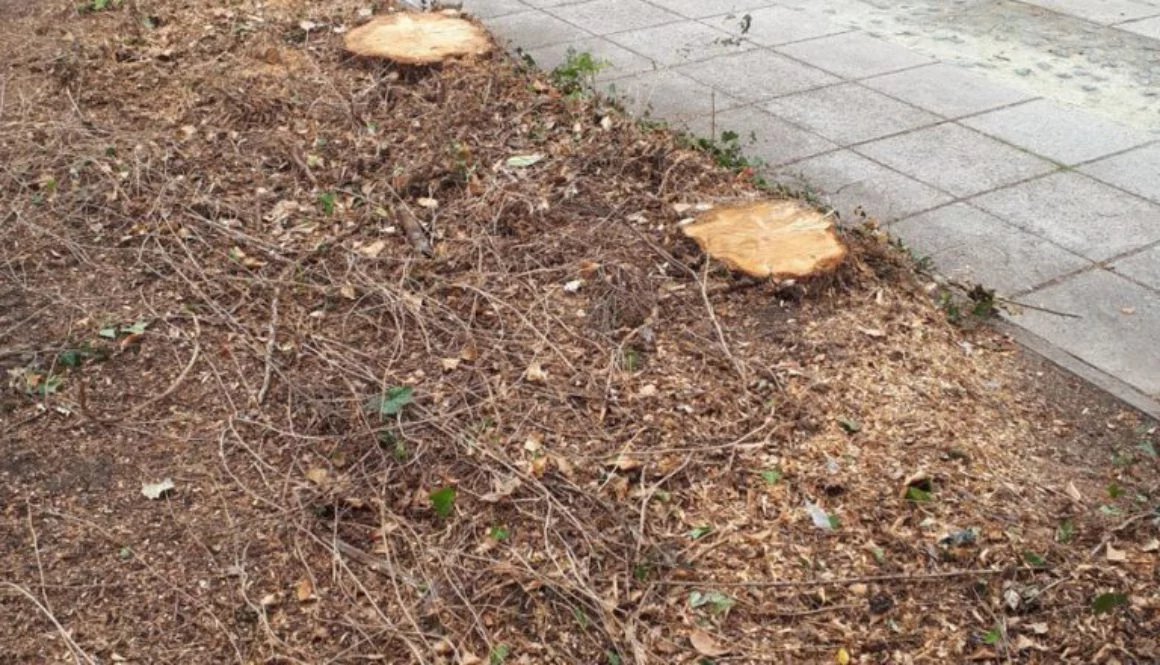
column 1016, row 143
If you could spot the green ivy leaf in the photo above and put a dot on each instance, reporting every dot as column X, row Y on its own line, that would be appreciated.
column 771, row 476
column 700, row 531
column 392, row 401
column 1107, row 602
column 918, row 495
column 443, row 501
column 1034, row 559
column 850, row 425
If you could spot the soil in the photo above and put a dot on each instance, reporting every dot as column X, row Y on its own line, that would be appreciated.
column 423, row 402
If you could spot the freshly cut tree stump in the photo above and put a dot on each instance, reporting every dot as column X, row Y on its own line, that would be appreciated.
column 769, row 239
column 418, row 38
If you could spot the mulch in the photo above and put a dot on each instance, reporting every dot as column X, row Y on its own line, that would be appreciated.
column 423, row 402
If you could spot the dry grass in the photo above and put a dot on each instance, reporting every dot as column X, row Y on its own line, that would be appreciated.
column 303, row 233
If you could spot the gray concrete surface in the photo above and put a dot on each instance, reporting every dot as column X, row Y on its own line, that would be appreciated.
column 1015, row 141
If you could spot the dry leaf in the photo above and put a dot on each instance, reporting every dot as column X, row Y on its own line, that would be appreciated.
column 304, row 590
column 449, row 364
column 1073, row 493
column 649, row 390
column 347, row 291
column 469, row 658
column 317, row 476
column 872, row 332
column 501, row 489
column 538, row 466
column 565, row 467
column 842, row 657
column 1115, row 555
column 372, row 250
column 428, row 203
column 1023, row 643
column 534, row 443
column 622, row 463
column 1037, row 628
column 535, row 373
column 469, row 353
column 1151, row 546
column 705, row 644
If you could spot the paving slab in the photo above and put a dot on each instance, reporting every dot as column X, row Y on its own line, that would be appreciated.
column 851, row 183
column 1065, row 134
column 955, row 159
column 1149, row 27
column 946, row 89
column 972, row 246
column 1104, row 12
column 1144, row 267
column 1137, row 171
column 486, row 9
column 1117, row 331
column 1078, row 213
column 756, row 75
column 533, row 28
column 680, row 43
column 853, row 55
column 773, row 140
column 774, row 26
column 617, row 61
column 704, row 8
column 849, row 113
column 543, row 4
column 604, row 17
column 670, row 96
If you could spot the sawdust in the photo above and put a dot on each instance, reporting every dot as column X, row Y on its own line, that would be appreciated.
column 420, row 403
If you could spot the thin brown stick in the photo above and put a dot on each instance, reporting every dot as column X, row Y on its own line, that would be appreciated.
column 902, row 577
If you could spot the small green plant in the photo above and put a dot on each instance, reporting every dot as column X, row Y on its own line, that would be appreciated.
column 326, row 201
column 499, row 654
column 631, row 359
column 98, row 5
column 728, row 152
column 498, row 533
column 1064, row 531
column 993, row 636
column 771, row 476
column 577, row 73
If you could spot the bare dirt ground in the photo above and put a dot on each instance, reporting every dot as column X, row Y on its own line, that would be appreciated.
column 420, row 403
